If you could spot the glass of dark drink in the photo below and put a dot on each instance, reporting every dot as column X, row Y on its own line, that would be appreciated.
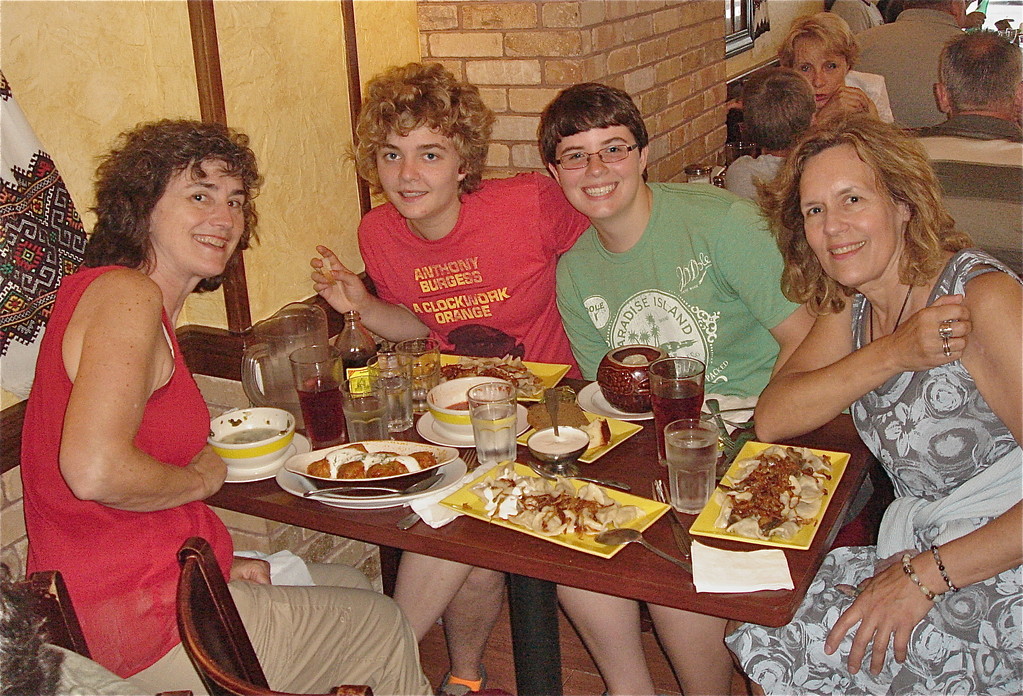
column 318, row 371
column 676, row 391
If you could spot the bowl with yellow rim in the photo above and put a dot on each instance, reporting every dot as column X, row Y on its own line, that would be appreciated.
column 251, row 438
column 449, row 404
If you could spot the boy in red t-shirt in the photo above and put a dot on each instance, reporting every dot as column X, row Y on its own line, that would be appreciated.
column 469, row 262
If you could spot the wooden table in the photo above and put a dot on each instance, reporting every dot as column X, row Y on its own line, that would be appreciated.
column 536, row 565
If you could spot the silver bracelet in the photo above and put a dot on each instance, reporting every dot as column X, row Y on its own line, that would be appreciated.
column 907, row 568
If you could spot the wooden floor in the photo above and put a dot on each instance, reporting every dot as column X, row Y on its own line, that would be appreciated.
column 580, row 674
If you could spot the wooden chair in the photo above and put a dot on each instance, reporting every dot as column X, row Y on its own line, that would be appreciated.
column 52, row 603
column 212, row 632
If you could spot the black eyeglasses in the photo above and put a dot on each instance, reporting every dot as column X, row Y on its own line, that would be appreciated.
column 609, row 154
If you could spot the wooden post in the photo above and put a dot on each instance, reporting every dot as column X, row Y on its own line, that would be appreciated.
column 206, row 53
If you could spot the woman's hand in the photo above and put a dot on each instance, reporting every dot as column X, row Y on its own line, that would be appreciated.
column 916, row 345
column 212, row 470
column 250, row 569
column 890, row 605
column 340, row 287
column 847, row 100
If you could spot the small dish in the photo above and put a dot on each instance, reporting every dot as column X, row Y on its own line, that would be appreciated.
column 624, row 376
column 446, row 401
column 427, row 428
column 299, row 445
column 620, row 432
column 564, row 448
column 591, row 399
column 251, row 439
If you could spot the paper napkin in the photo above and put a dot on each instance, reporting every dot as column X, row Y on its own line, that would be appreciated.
column 715, row 570
column 429, row 507
column 730, row 402
column 285, row 567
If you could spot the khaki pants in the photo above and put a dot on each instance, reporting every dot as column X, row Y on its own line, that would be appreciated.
column 309, row 639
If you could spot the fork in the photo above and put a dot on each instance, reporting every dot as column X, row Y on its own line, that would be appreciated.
column 471, row 462
column 682, row 538
column 471, row 459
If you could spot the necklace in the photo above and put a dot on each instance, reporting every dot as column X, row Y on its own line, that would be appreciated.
column 898, row 319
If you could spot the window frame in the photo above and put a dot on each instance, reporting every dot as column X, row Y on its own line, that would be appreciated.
column 740, row 39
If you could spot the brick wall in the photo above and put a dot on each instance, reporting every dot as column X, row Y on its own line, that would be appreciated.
column 668, row 54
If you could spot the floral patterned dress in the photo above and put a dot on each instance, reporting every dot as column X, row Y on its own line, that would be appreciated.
column 932, row 431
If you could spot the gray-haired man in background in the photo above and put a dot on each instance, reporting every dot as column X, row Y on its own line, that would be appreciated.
column 978, row 152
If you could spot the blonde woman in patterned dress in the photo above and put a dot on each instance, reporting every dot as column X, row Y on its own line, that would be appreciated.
column 920, row 337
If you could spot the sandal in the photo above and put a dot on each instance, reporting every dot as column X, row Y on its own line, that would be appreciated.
column 447, row 688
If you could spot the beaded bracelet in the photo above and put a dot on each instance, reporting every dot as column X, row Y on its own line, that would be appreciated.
column 941, row 569
column 907, row 568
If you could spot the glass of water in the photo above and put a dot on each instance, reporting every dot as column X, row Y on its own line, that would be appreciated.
column 492, row 409
column 691, row 446
column 365, row 407
column 424, row 358
column 390, row 371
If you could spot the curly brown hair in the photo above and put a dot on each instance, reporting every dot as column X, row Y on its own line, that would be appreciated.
column 407, row 97
column 132, row 178
column 902, row 170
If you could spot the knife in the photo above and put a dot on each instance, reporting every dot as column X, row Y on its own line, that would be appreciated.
column 683, row 540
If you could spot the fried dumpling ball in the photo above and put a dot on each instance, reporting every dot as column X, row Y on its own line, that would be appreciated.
column 388, row 468
column 351, row 470
column 321, row 468
column 425, row 459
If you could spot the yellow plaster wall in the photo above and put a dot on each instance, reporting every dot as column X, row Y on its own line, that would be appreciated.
column 782, row 13
column 284, row 84
column 85, row 71
column 387, row 33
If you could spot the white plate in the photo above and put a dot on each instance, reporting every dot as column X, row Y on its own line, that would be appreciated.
column 300, row 464
column 296, row 485
column 427, row 427
column 299, row 445
column 591, row 399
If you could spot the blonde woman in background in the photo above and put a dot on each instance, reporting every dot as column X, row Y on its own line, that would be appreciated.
column 821, row 48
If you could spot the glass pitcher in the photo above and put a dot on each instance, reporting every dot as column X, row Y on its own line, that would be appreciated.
column 266, row 372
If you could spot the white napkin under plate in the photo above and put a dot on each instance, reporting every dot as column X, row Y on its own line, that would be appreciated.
column 429, row 507
column 716, row 570
column 285, row 567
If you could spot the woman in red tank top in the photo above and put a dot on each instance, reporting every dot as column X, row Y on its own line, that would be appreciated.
column 114, row 460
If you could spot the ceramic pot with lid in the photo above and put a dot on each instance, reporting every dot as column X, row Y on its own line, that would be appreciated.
column 624, row 378
column 266, row 371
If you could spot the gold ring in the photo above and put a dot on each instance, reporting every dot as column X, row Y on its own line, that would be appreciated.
column 945, row 347
column 945, row 330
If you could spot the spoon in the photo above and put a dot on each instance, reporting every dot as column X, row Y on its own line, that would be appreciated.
column 551, row 399
column 544, row 473
column 625, row 535
column 386, row 491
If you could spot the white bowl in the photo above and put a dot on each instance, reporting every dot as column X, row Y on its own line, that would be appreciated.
column 265, row 434
column 454, row 421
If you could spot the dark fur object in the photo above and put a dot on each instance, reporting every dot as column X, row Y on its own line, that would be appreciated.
column 26, row 665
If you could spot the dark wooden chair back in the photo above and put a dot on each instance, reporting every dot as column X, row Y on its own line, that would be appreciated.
column 212, row 632
column 52, row 603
